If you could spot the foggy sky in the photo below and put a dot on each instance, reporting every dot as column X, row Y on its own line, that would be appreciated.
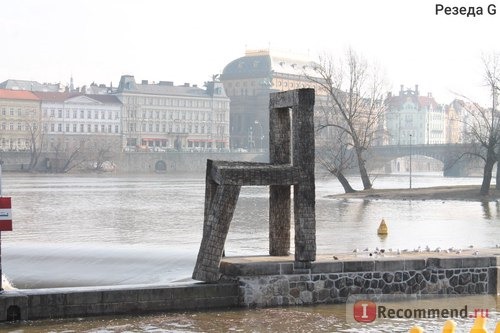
column 189, row 41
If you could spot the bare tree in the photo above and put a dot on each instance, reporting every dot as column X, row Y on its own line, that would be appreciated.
column 482, row 125
column 355, row 93
column 67, row 157
column 35, row 143
column 335, row 157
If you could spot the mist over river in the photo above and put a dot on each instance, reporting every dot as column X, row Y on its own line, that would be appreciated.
column 88, row 230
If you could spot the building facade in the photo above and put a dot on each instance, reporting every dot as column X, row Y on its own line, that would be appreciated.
column 161, row 116
column 19, row 119
column 73, row 120
column 414, row 119
column 249, row 80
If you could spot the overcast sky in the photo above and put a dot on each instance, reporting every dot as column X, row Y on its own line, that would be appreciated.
column 189, row 41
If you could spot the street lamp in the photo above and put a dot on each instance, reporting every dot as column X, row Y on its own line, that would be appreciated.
column 410, row 161
column 261, row 136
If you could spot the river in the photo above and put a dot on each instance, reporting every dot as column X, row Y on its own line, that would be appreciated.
column 90, row 230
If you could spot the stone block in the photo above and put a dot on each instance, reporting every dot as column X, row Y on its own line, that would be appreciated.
column 445, row 263
column 414, row 264
column 389, row 265
column 473, row 262
column 327, row 267
column 359, row 266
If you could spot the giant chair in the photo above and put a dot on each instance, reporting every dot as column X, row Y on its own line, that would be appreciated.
column 291, row 154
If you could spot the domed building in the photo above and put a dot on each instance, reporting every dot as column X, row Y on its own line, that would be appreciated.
column 248, row 81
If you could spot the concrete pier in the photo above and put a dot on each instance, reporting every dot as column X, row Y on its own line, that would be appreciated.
column 32, row 304
column 266, row 281
column 276, row 281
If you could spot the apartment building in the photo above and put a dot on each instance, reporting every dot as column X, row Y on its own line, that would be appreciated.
column 19, row 119
column 161, row 116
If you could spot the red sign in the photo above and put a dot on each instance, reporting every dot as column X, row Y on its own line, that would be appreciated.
column 5, row 214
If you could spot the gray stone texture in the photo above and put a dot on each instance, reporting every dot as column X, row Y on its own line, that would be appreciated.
column 291, row 154
column 335, row 282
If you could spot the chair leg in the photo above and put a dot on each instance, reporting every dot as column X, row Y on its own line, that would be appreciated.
column 216, row 227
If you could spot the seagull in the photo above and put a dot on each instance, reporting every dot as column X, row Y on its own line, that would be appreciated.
column 458, row 251
column 398, row 251
column 471, row 246
column 355, row 250
column 335, row 258
column 475, row 253
column 366, row 250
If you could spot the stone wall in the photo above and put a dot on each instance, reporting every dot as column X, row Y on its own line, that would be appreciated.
column 31, row 304
column 283, row 283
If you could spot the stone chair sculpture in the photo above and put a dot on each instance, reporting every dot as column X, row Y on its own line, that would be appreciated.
column 291, row 154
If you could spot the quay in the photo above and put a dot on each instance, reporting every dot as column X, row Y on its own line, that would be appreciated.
column 267, row 281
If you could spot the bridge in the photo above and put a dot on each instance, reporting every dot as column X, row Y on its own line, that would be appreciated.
column 455, row 163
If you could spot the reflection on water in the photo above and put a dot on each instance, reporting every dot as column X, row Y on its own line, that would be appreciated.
column 321, row 318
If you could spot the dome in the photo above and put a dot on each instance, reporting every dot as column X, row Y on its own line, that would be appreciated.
column 264, row 63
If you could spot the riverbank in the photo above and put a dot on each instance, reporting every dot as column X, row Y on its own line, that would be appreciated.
column 459, row 192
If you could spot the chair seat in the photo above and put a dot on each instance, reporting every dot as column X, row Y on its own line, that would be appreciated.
column 248, row 173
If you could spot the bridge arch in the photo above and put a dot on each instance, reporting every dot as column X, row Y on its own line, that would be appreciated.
column 447, row 154
column 160, row 166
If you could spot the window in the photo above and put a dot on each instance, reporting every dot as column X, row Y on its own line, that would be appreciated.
column 59, row 127
column 89, row 128
column 74, row 128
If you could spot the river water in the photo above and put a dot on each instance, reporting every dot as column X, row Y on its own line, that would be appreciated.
column 93, row 230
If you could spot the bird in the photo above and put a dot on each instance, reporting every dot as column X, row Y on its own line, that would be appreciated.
column 355, row 250
column 335, row 258
column 475, row 253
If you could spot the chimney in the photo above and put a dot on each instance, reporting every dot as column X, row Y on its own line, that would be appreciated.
column 401, row 91
column 186, row 85
column 429, row 95
column 416, row 89
column 144, row 82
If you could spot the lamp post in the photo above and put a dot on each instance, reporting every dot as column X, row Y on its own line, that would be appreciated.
column 410, row 160
column 261, row 137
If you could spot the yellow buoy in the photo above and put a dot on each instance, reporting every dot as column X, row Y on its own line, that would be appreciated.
column 479, row 325
column 416, row 329
column 382, row 228
column 497, row 329
column 449, row 326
